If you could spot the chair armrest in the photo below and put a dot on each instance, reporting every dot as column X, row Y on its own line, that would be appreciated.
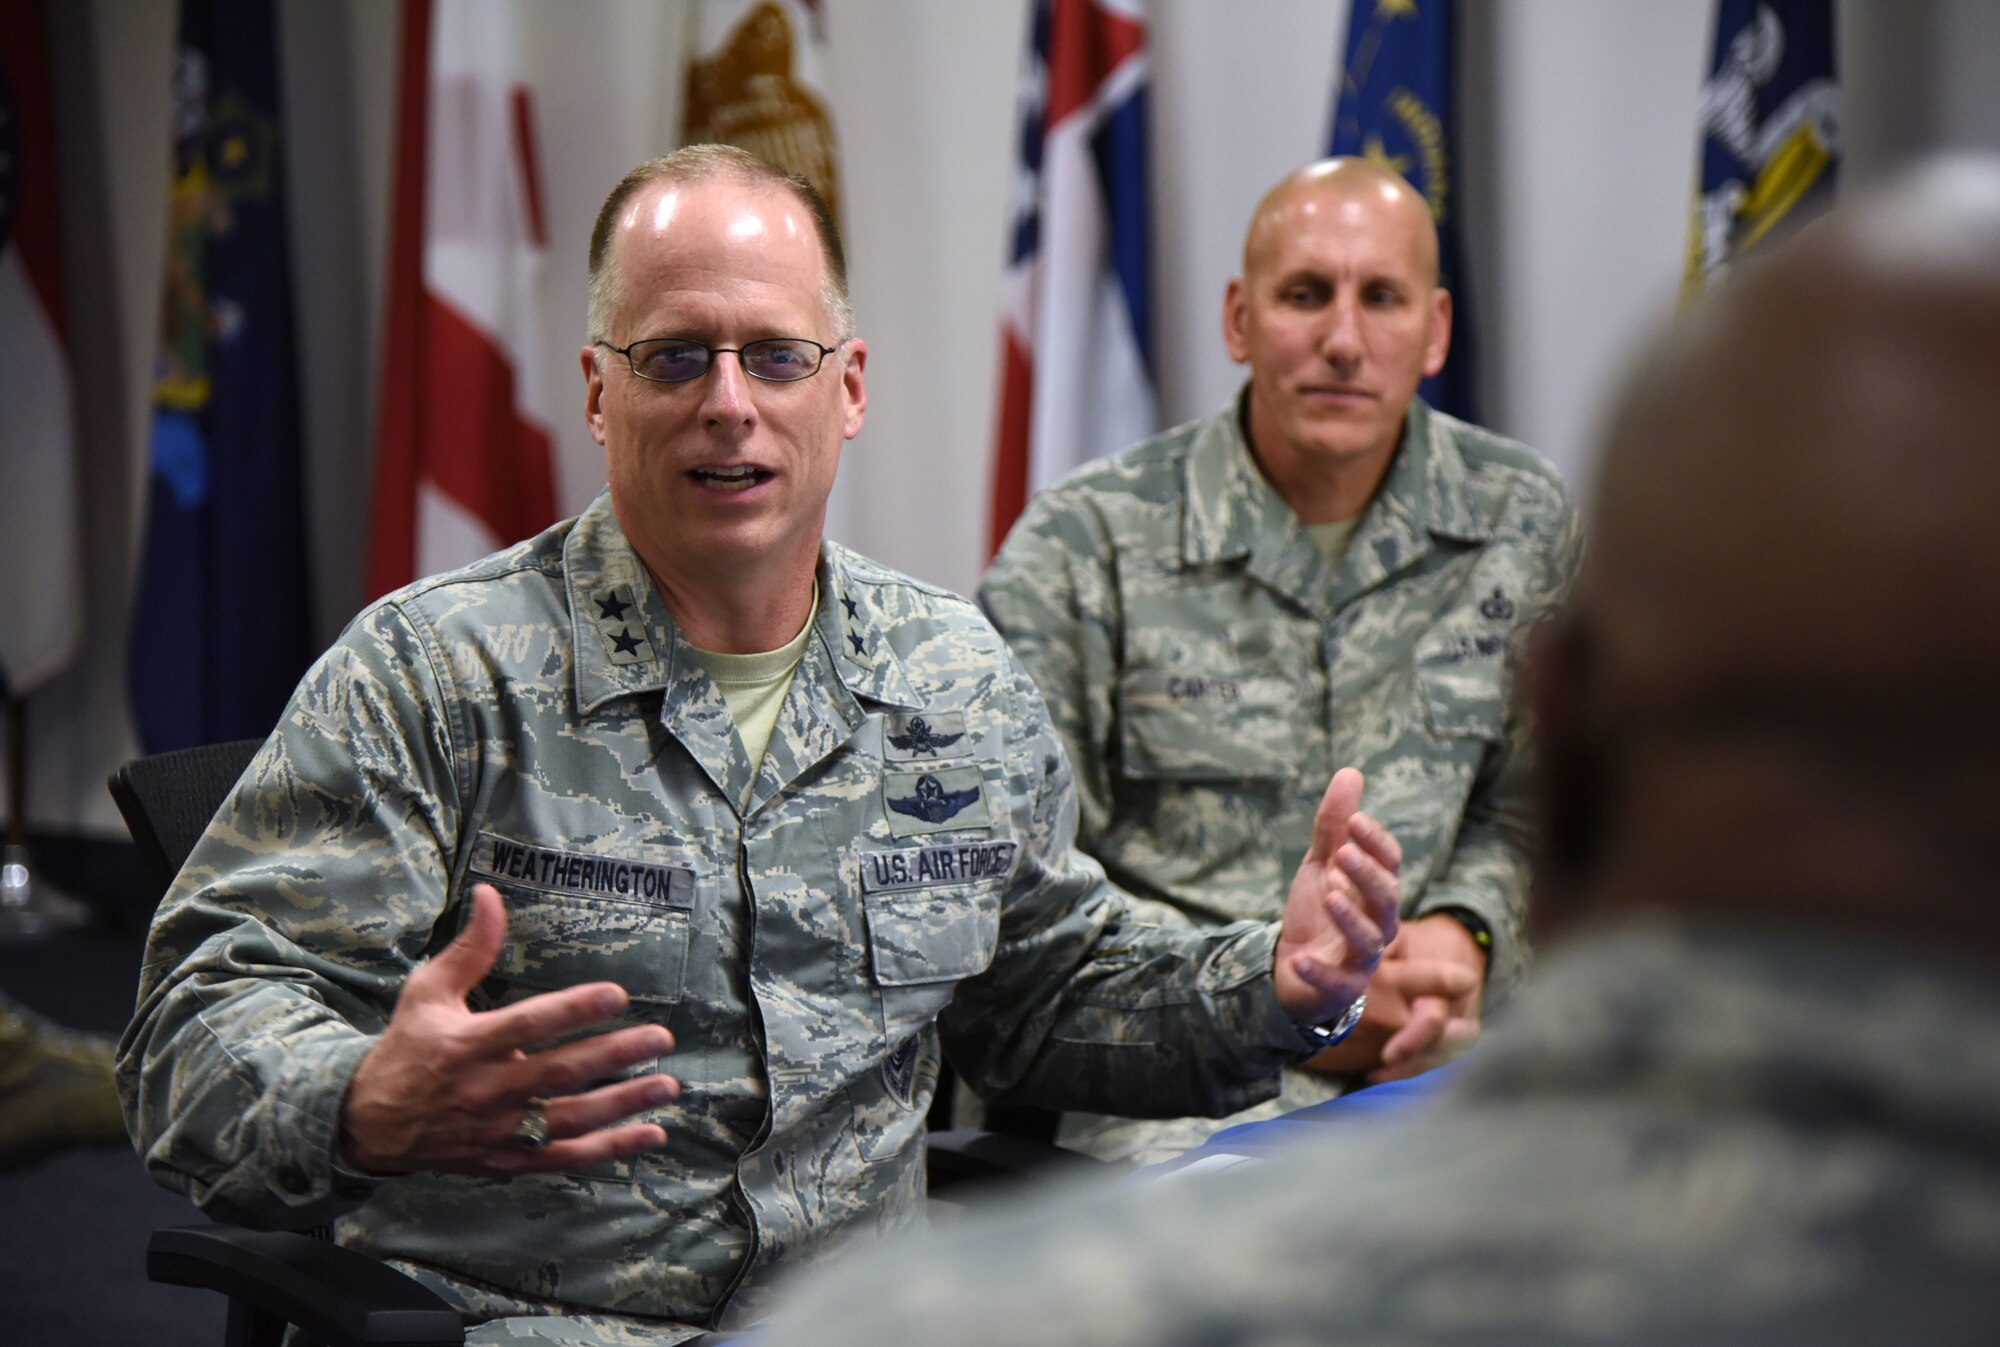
column 331, row 1293
column 963, row 1156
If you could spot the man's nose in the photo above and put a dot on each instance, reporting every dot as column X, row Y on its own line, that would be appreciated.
column 725, row 394
column 1340, row 338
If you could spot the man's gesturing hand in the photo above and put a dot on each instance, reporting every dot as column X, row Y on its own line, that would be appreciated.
column 446, row 1086
column 1341, row 912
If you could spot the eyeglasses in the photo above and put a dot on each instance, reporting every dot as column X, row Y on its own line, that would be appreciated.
column 675, row 360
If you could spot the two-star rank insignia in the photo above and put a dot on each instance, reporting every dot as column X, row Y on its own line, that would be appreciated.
column 931, row 802
column 919, row 738
column 621, row 626
column 857, row 635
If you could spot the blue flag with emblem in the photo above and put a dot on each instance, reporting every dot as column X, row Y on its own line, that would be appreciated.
column 1770, row 130
column 221, row 626
column 1396, row 108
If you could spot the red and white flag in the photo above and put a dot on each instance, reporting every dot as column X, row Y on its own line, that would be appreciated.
column 41, row 617
column 464, row 462
column 1076, row 379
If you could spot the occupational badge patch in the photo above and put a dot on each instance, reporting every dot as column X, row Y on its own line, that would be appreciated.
column 924, row 735
column 950, row 797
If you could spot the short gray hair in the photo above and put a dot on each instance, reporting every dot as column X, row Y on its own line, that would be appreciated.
column 705, row 163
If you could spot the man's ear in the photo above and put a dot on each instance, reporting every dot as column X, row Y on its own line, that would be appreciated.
column 1572, row 772
column 593, row 394
column 1440, row 342
column 854, row 386
column 1236, row 320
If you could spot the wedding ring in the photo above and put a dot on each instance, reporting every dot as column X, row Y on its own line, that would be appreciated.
column 532, row 1132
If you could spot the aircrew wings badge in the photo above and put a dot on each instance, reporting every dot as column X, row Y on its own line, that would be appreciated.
column 951, row 797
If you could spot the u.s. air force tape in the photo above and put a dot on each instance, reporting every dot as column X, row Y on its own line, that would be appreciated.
column 587, row 876
column 948, row 863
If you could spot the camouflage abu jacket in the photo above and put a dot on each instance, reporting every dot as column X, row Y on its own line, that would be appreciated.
column 897, row 874
column 1208, row 672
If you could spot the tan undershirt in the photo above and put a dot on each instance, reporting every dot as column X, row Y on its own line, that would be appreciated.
column 1332, row 540
column 754, row 685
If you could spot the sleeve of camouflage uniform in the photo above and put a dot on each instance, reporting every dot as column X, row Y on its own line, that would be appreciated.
column 1085, row 1007
column 1487, row 873
column 1048, row 593
column 278, row 954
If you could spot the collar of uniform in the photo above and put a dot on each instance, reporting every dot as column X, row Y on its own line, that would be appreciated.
column 621, row 636
column 852, row 625
column 1226, row 499
column 1447, row 510
column 1229, row 500
column 1423, row 496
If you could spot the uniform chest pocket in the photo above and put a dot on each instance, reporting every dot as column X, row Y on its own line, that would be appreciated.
column 933, row 920
column 1464, row 698
column 1238, row 724
column 576, row 917
column 556, row 941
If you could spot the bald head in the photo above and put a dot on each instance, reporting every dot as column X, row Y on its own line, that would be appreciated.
column 1775, row 684
column 1328, row 184
column 1340, row 318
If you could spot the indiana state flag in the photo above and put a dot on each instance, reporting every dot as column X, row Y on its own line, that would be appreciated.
column 1770, row 126
column 221, row 628
column 1396, row 109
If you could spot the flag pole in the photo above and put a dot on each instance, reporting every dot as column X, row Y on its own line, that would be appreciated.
column 28, row 910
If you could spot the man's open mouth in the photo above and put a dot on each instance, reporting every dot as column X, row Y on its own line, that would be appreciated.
column 731, row 479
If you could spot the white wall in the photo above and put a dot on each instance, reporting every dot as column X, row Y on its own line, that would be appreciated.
column 1577, row 118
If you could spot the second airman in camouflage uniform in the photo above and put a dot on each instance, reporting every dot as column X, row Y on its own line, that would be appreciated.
column 1206, row 661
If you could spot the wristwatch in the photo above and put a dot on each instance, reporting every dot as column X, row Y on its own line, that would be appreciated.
column 1474, row 924
column 1324, row 1036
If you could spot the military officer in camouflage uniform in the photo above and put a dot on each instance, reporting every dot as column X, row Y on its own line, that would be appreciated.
column 1760, row 1102
column 678, row 776
column 1325, row 573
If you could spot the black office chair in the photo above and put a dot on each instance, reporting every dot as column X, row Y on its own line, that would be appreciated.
column 334, row 1295
column 169, row 799
column 272, row 1277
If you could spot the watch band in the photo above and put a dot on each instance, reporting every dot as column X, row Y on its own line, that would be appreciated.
column 1324, row 1036
column 1475, row 925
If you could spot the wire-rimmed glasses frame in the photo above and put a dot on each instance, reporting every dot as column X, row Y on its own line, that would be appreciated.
column 678, row 360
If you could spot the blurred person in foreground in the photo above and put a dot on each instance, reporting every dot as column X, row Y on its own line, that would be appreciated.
column 680, row 776
column 1755, row 1099
column 1325, row 573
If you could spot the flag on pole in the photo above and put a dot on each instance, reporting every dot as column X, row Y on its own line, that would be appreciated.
column 1076, row 361
column 222, row 625
column 463, row 462
column 756, row 79
column 1395, row 108
column 1770, row 130
column 41, row 619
